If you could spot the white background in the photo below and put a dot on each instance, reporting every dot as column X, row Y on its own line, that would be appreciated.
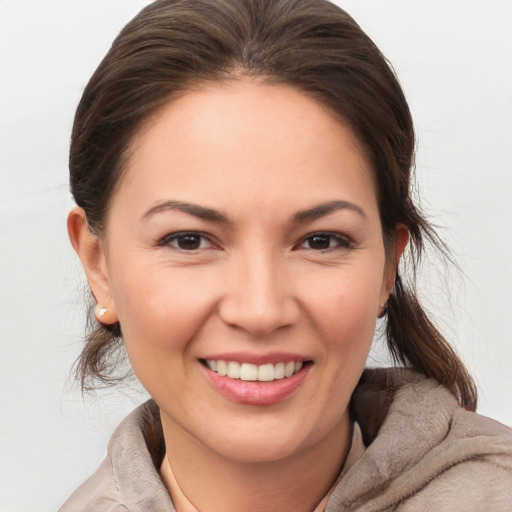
column 453, row 59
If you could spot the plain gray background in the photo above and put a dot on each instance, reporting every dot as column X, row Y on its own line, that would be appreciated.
column 453, row 59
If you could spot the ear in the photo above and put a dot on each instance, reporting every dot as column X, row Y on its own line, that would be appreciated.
column 91, row 251
column 395, row 253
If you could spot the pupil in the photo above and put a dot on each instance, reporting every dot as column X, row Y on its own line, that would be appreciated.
column 320, row 242
column 189, row 242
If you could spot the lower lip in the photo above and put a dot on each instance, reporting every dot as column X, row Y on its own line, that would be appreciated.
column 256, row 392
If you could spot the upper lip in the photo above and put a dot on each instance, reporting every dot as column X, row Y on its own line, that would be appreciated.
column 257, row 359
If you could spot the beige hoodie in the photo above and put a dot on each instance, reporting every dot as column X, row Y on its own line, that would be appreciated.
column 424, row 453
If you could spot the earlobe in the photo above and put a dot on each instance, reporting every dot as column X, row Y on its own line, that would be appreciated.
column 91, row 252
column 105, row 315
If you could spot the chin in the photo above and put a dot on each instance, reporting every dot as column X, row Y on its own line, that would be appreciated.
column 260, row 450
column 264, row 442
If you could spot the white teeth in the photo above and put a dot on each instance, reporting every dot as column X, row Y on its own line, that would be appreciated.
column 233, row 370
column 279, row 371
column 266, row 372
column 248, row 371
column 222, row 368
column 251, row 372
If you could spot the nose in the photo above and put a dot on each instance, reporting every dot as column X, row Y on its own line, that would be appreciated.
column 259, row 296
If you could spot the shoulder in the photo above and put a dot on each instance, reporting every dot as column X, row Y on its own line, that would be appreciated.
column 98, row 492
column 425, row 452
column 470, row 470
column 475, row 466
column 481, row 484
column 396, row 399
column 128, row 478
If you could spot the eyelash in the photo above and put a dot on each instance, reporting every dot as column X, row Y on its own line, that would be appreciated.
column 174, row 239
column 341, row 242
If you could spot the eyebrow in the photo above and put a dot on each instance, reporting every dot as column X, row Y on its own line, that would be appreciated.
column 324, row 209
column 212, row 215
column 192, row 209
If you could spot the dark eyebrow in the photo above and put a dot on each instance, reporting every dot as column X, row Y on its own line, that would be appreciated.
column 324, row 209
column 192, row 209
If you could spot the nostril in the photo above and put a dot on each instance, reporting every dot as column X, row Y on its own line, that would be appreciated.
column 260, row 318
column 257, row 298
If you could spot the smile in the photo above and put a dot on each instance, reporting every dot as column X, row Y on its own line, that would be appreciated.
column 255, row 384
column 252, row 372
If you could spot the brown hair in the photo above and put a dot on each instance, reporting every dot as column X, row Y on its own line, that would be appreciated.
column 172, row 46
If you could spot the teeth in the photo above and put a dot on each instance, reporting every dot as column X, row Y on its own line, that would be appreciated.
column 279, row 372
column 222, row 368
column 289, row 369
column 233, row 370
column 266, row 372
column 251, row 372
column 248, row 371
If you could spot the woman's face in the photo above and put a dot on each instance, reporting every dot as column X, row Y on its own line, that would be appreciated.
column 245, row 237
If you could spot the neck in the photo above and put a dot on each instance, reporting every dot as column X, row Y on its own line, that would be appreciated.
column 200, row 480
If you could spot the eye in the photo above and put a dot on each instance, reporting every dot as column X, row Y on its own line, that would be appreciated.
column 188, row 241
column 324, row 241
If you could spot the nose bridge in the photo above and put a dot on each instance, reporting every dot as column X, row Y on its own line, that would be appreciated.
column 259, row 297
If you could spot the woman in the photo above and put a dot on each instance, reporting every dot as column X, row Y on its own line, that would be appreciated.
column 242, row 177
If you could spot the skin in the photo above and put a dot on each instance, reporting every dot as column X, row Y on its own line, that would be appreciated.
column 256, row 283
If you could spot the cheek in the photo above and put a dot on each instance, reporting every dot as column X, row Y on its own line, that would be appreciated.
column 160, row 309
column 345, row 307
column 160, row 313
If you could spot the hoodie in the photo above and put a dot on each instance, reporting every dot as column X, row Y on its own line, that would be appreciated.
column 423, row 452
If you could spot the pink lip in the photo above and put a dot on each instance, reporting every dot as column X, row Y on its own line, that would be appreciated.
column 257, row 359
column 255, row 392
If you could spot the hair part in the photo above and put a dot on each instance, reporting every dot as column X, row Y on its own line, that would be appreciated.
column 173, row 46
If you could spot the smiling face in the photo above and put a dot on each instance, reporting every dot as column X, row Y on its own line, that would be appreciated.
column 245, row 238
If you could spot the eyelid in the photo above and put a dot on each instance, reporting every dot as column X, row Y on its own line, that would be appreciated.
column 344, row 241
column 166, row 240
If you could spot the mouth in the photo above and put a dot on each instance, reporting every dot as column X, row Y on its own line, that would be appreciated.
column 251, row 372
column 255, row 384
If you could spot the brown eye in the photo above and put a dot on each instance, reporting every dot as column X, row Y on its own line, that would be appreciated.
column 323, row 241
column 319, row 242
column 186, row 241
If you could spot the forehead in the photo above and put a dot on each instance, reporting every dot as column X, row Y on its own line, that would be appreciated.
column 241, row 136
